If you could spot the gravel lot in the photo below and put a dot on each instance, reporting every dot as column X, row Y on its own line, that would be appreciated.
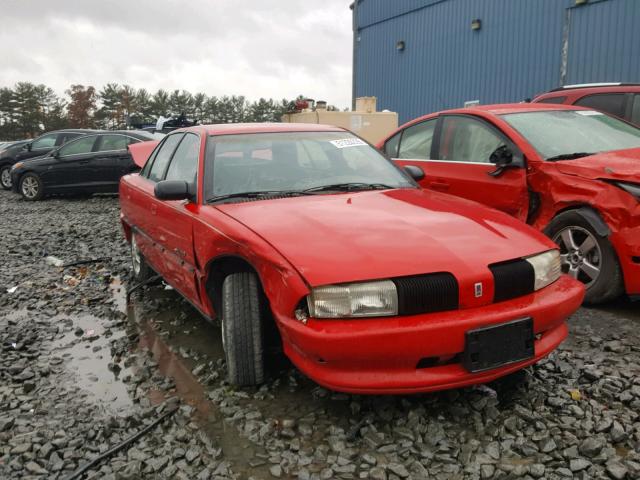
column 81, row 370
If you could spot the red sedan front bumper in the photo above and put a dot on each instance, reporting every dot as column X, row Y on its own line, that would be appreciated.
column 381, row 355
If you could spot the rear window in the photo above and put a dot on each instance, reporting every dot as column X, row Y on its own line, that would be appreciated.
column 554, row 100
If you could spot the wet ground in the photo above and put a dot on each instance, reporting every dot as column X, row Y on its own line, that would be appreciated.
column 83, row 368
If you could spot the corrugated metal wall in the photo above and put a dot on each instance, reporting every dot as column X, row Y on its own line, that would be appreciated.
column 517, row 53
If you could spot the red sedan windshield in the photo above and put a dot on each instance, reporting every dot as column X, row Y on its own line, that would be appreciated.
column 558, row 133
column 295, row 162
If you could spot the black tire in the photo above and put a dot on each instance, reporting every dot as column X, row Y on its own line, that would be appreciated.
column 31, row 187
column 5, row 177
column 139, row 267
column 242, row 338
column 608, row 283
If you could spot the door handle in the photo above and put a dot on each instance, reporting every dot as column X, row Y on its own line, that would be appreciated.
column 83, row 162
column 439, row 185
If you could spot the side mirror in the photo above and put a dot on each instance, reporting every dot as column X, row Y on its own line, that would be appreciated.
column 27, row 147
column 414, row 172
column 56, row 154
column 502, row 157
column 172, row 190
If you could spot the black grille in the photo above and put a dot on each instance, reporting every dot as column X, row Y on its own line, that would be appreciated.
column 435, row 292
column 512, row 279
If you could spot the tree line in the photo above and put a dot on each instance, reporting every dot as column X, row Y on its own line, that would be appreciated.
column 27, row 109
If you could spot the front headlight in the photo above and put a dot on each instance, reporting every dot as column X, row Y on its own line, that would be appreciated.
column 370, row 299
column 632, row 188
column 546, row 268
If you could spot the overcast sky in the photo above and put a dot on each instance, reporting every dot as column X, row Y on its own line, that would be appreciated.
column 256, row 48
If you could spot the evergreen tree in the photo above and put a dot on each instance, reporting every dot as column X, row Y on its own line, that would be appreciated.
column 82, row 107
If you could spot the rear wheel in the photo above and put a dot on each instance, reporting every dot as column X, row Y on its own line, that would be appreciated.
column 141, row 271
column 31, row 187
column 587, row 257
column 5, row 177
column 242, row 324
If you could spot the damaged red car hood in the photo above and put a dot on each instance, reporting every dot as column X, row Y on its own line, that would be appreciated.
column 617, row 165
column 382, row 234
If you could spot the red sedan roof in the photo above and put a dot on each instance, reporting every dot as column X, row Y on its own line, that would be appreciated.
column 496, row 109
column 238, row 128
column 503, row 108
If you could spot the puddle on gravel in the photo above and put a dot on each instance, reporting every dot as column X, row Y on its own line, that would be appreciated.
column 235, row 448
column 87, row 355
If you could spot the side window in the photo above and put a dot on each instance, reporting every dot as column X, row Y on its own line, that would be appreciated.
column 184, row 165
column 45, row 141
column 391, row 145
column 163, row 156
column 110, row 143
column 465, row 139
column 149, row 162
column 77, row 147
column 635, row 112
column 612, row 103
column 416, row 141
column 553, row 100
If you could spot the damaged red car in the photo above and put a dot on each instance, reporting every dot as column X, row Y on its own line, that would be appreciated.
column 570, row 172
column 307, row 237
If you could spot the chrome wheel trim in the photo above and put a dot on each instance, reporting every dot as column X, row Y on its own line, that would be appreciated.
column 136, row 258
column 5, row 177
column 30, row 187
column 580, row 254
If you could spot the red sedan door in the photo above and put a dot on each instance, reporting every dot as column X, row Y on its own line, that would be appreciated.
column 454, row 152
column 173, row 220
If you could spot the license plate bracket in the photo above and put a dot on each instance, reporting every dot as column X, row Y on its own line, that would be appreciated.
column 498, row 345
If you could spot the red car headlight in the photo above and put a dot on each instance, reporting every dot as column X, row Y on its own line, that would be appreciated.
column 370, row 299
column 546, row 267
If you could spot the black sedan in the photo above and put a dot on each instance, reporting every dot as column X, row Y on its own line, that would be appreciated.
column 8, row 152
column 89, row 164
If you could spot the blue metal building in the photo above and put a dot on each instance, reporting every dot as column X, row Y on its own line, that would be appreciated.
column 420, row 56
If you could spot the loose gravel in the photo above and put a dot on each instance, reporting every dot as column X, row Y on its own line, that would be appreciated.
column 82, row 370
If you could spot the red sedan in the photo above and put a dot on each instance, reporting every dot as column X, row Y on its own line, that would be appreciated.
column 307, row 235
column 570, row 172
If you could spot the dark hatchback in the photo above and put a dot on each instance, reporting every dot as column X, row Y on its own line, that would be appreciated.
column 91, row 164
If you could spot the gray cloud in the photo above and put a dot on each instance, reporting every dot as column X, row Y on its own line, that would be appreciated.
column 256, row 48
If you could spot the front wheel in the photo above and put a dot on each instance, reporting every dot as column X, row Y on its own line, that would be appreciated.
column 242, row 329
column 587, row 257
column 31, row 187
column 5, row 177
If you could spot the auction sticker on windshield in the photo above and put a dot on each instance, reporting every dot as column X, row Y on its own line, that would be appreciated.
column 347, row 142
column 589, row 113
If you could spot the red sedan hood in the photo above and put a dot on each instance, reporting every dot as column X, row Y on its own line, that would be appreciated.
column 618, row 165
column 382, row 234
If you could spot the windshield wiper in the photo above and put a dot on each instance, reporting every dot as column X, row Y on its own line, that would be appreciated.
column 569, row 156
column 348, row 187
column 258, row 194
